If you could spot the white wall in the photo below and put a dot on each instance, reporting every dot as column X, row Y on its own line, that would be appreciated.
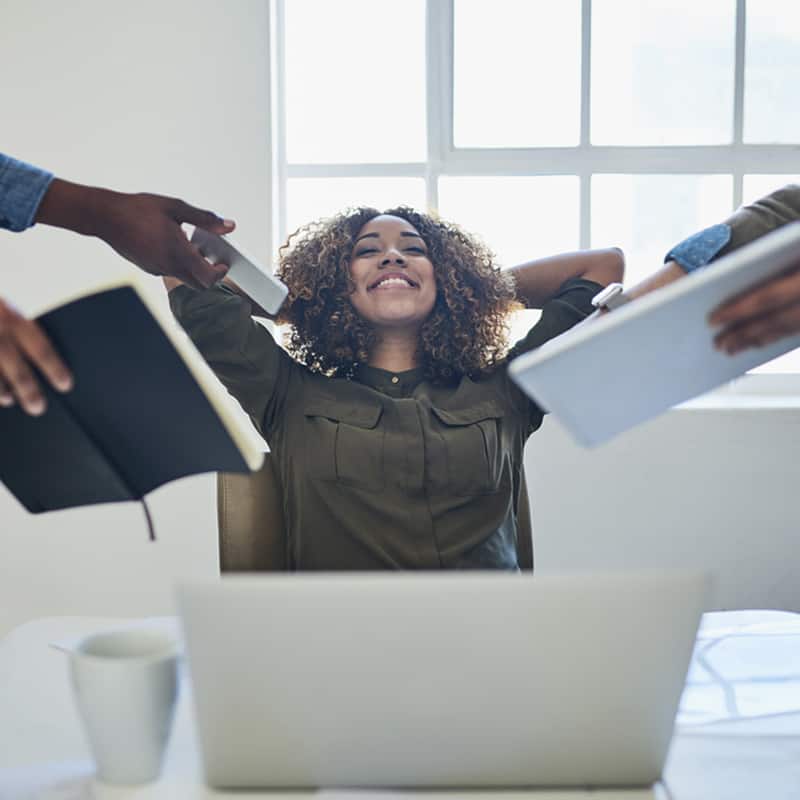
column 167, row 97
column 709, row 487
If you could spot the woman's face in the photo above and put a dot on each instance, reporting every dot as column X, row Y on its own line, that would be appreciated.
column 393, row 276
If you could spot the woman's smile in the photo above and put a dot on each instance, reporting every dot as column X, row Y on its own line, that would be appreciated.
column 394, row 283
column 393, row 280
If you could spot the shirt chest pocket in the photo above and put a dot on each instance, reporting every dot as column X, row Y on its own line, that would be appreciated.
column 468, row 442
column 344, row 443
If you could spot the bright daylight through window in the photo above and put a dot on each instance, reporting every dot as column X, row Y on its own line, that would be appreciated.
column 540, row 126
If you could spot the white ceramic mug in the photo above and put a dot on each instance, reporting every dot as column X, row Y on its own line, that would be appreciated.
column 126, row 684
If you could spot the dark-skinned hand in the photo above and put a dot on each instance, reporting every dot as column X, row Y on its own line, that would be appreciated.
column 22, row 344
column 143, row 228
column 761, row 315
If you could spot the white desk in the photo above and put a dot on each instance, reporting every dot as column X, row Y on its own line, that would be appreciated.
column 738, row 733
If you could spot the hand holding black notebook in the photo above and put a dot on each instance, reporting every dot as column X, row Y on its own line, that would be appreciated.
column 146, row 409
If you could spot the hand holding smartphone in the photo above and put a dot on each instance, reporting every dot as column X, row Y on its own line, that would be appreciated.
column 254, row 280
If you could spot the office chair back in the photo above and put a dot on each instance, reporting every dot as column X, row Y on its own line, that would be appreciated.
column 250, row 518
column 251, row 527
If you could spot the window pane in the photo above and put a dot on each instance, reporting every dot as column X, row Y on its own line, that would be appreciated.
column 646, row 215
column 662, row 71
column 772, row 57
column 308, row 199
column 756, row 186
column 516, row 73
column 355, row 81
column 520, row 218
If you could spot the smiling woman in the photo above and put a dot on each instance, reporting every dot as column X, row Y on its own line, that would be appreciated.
column 395, row 431
column 449, row 320
column 393, row 285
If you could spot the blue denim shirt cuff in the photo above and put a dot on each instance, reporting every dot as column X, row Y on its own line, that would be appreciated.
column 700, row 248
column 22, row 187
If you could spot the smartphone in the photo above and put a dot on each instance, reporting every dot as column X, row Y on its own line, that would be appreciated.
column 245, row 271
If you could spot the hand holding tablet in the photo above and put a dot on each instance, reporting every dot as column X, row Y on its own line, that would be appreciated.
column 761, row 315
column 630, row 365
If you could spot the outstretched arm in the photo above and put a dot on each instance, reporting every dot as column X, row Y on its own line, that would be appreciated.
column 143, row 228
column 762, row 314
column 243, row 354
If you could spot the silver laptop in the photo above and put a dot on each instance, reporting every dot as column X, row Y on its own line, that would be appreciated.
column 439, row 680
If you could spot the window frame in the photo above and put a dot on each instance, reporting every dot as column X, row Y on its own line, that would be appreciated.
column 583, row 160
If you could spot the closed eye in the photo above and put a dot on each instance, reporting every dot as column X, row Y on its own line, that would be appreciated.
column 366, row 251
column 415, row 250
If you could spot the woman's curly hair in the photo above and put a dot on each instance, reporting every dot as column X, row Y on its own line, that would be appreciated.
column 465, row 333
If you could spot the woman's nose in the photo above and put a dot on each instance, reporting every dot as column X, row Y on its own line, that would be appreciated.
column 393, row 257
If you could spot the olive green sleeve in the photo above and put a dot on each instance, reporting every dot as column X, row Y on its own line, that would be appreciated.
column 765, row 215
column 571, row 304
column 242, row 353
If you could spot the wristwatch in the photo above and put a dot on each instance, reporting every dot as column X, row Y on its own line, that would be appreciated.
column 613, row 296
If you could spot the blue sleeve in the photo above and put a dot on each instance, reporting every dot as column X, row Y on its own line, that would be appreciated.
column 700, row 248
column 22, row 187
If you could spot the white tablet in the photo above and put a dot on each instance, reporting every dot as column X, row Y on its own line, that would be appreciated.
column 245, row 271
column 613, row 372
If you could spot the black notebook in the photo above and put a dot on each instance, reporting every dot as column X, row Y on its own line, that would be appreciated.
column 145, row 410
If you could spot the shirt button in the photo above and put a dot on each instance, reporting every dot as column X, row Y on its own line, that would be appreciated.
column 395, row 379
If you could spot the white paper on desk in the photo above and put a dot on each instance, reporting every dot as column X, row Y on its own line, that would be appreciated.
column 745, row 668
column 604, row 377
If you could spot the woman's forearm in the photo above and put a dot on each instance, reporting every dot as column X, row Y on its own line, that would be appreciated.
column 669, row 273
column 537, row 281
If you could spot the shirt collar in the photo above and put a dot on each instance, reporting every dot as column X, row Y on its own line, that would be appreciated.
column 396, row 384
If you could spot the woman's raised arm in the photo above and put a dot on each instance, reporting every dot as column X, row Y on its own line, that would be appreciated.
column 537, row 281
column 243, row 354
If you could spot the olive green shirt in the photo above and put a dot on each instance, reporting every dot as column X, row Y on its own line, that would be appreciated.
column 382, row 470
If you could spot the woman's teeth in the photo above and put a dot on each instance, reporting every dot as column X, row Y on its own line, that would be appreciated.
column 393, row 282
